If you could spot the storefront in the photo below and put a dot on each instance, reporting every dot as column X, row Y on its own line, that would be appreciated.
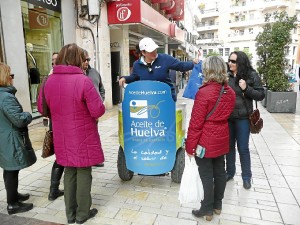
column 32, row 31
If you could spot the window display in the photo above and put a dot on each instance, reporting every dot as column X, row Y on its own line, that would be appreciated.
column 42, row 32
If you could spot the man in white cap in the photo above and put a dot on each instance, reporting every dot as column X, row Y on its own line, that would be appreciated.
column 154, row 66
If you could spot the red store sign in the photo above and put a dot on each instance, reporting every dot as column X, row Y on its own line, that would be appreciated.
column 137, row 11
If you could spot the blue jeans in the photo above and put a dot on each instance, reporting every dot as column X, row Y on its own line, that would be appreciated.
column 239, row 132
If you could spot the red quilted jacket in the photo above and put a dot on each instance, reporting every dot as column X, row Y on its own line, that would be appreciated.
column 213, row 133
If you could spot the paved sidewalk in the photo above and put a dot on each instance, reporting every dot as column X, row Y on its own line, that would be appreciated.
column 273, row 199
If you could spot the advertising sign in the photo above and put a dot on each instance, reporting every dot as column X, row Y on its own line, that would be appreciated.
column 149, row 127
column 54, row 5
column 123, row 12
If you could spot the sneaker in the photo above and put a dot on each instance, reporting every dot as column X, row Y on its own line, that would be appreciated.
column 247, row 184
column 92, row 213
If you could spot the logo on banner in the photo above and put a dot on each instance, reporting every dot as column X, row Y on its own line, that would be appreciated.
column 138, row 109
column 123, row 14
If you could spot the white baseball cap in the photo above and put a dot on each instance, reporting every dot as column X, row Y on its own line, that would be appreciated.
column 148, row 45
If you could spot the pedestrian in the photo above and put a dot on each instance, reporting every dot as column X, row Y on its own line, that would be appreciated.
column 208, row 131
column 57, row 170
column 96, row 79
column 75, row 105
column 16, row 151
column 154, row 66
column 244, row 80
column 94, row 75
column 174, row 79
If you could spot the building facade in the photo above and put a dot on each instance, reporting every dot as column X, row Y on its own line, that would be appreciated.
column 228, row 25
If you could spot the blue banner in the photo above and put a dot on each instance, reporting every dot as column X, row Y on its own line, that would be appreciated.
column 149, row 127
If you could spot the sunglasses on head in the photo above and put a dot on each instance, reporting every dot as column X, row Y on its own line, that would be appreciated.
column 232, row 61
column 12, row 76
column 88, row 59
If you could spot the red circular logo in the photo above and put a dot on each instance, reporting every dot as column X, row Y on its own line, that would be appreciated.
column 123, row 13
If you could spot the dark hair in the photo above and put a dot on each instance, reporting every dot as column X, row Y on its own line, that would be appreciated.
column 54, row 53
column 70, row 54
column 243, row 65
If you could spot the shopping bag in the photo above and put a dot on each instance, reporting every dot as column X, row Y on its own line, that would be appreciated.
column 194, row 82
column 191, row 188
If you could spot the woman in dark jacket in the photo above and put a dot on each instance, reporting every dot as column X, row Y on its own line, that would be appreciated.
column 247, row 86
column 16, row 150
column 211, row 133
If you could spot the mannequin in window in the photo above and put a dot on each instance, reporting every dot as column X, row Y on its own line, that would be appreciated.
column 34, row 74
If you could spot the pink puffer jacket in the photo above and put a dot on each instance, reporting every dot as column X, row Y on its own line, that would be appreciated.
column 75, row 105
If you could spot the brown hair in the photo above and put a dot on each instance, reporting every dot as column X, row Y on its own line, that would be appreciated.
column 71, row 55
column 4, row 75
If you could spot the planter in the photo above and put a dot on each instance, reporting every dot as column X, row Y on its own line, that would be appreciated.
column 264, row 101
column 281, row 102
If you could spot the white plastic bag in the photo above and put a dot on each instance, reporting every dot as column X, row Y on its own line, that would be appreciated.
column 191, row 188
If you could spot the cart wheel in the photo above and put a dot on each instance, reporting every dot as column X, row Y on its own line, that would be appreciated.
column 123, row 172
column 178, row 168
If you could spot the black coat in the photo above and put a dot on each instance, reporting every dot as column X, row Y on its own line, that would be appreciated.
column 254, row 91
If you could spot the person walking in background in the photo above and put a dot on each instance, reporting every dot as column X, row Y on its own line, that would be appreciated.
column 75, row 105
column 57, row 170
column 208, row 131
column 97, row 81
column 16, row 151
column 244, row 80
column 154, row 66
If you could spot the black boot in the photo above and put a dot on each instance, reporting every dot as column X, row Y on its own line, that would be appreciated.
column 56, row 175
column 18, row 207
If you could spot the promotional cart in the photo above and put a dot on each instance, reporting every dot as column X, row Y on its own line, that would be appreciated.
column 151, row 132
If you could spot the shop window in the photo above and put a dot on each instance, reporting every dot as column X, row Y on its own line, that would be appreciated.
column 43, row 36
column 204, row 52
column 227, row 50
column 221, row 51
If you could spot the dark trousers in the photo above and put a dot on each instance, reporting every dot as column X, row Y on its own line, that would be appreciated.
column 239, row 132
column 11, row 182
column 78, row 200
column 213, row 177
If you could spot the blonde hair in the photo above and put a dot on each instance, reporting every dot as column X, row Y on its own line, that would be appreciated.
column 214, row 69
column 4, row 75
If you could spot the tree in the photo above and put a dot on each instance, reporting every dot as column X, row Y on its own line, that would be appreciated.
column 271, row 44
column 214, row 53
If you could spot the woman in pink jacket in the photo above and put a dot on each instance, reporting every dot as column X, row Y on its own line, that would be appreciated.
column 75, row 106
column 208, row 131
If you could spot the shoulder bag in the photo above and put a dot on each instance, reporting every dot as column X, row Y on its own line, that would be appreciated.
column 256, row 122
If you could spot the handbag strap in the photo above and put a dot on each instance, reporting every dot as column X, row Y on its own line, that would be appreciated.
column 244, row 99
column 218, row 100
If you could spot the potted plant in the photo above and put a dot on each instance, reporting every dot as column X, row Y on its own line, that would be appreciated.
column 272, row 63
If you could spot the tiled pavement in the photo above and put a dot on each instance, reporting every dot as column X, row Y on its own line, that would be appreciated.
column 273, row 199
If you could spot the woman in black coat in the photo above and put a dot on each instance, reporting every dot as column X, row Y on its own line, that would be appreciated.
column 16, row 151
column 244, row 80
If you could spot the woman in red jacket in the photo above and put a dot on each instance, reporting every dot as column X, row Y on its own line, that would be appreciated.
column 208, row 129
